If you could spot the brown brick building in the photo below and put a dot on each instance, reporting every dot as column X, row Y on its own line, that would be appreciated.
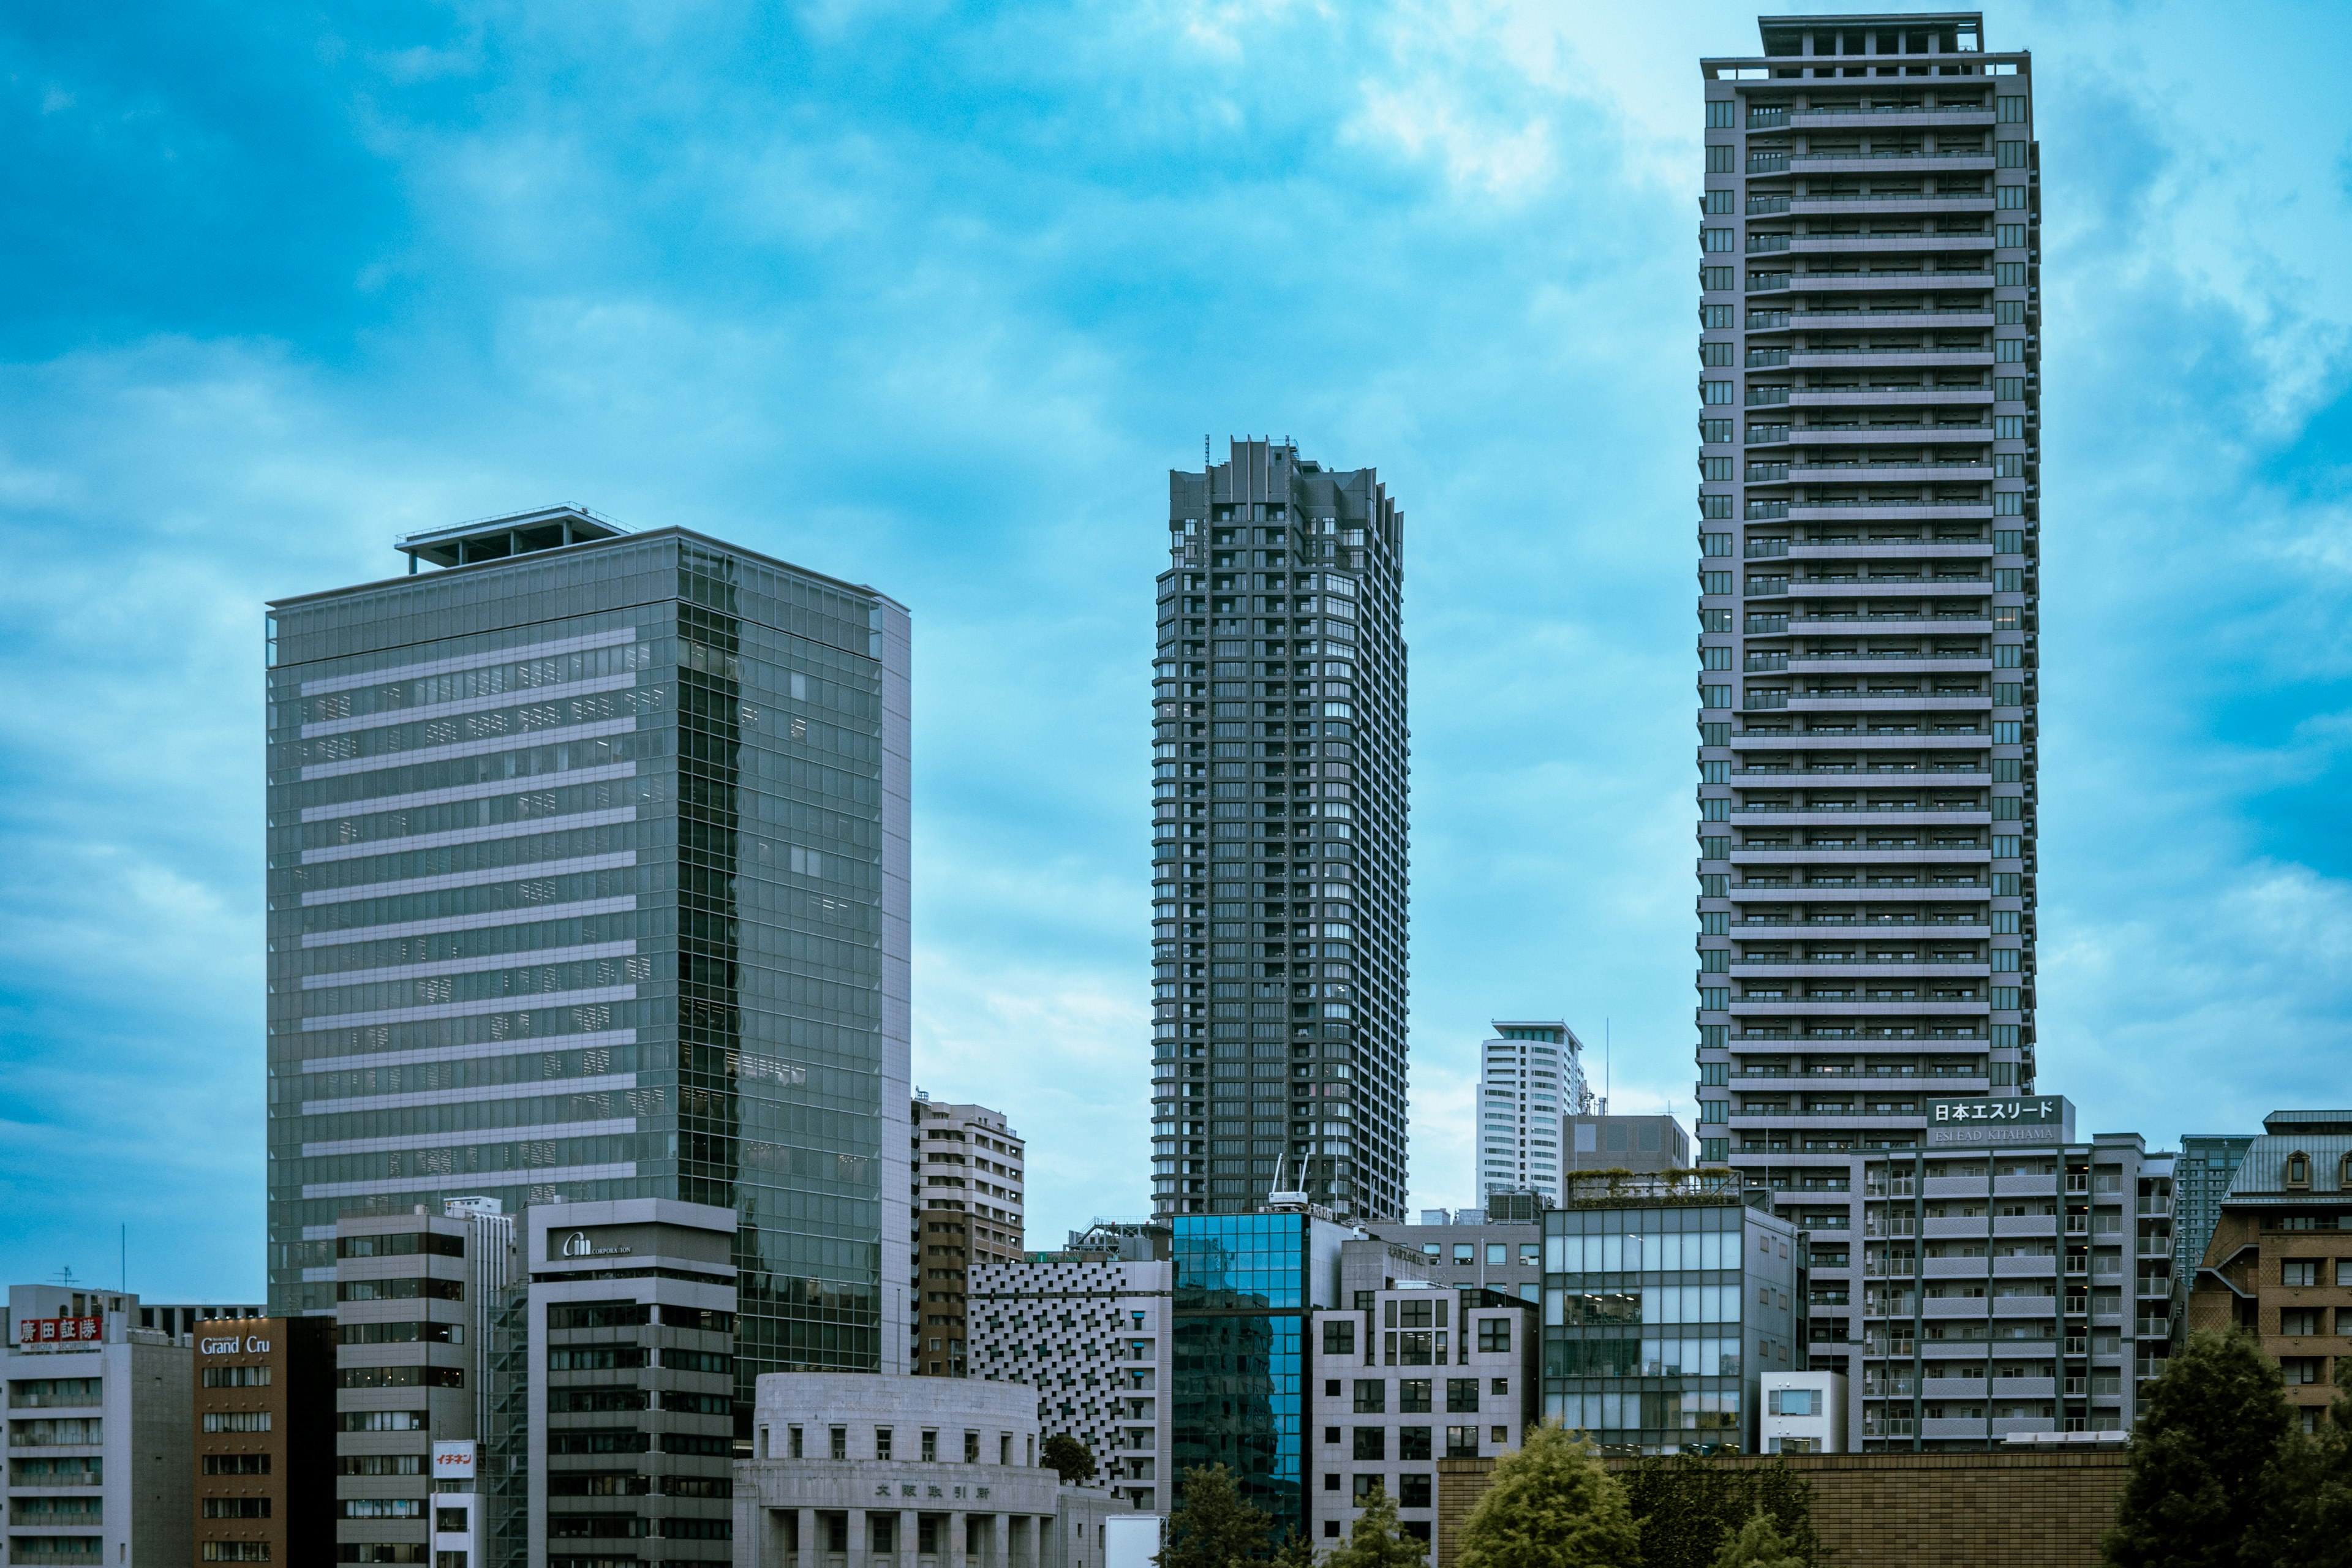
column 265, row 1443
column 2280, row 1263
column 2045, row 1508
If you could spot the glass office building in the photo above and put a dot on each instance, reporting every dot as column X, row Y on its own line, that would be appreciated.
column 1664, row 1304
column 587, row 880
column 1244, row 1287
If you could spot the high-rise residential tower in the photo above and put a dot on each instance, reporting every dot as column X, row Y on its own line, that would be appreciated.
column 588, row 881
column 1868, row 533
column 963, row 1201
column 1530, row 1075
column 1279, row 867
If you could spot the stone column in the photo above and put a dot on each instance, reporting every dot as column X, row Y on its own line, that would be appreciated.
column 810, row 1550
column 910, row 1539
column 1000, row 1542
column 861, row 1544
column 951, row 1548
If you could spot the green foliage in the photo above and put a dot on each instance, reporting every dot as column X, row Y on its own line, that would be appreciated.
column 1688, row 1505
column 1068, row 1457
column 1213, row 1525
column 1551, row 1505
column 1374, row 1543
column 2205, row 1459
column 1758, row 1544
column 1295, row 1551
column 2306, row 1506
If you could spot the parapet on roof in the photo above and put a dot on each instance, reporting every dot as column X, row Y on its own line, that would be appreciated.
column 496, row 537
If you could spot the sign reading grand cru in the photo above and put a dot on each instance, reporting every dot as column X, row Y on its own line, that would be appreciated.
column 2030, row 1119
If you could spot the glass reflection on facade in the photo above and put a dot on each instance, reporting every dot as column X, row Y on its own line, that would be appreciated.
column 587, row 880
column 1244, row 1285
column 1662, row 1312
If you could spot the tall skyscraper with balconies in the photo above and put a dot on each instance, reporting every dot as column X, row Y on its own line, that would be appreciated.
column 1530, row 1075
column 1278, row 855
column 1868, row 534
column 588, row 881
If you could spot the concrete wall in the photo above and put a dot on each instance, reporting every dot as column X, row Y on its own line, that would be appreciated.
column 1908, row 1511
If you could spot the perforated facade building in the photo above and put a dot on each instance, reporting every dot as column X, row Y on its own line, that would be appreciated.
column 1089, row 1331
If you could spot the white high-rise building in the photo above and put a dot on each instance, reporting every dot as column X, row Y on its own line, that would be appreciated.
column 1529, row 1076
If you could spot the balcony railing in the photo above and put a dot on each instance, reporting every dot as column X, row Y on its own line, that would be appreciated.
column 1939, row 154
column 1853, row 1072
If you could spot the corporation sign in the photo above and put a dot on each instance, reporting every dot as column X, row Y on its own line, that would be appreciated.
column 580, row 1244
column 453, row 1461
column 61, row 1331
column 2032, row 1120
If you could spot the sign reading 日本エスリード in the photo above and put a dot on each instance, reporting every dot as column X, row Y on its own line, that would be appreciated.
column 2030, row 1119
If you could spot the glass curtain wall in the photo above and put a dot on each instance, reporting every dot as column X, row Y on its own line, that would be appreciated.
column 575, row 894
column 1241, row 1300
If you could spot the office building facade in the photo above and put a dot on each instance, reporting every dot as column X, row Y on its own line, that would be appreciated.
column 1245, row 1287
column 588, row 881
column 429, row 1348
column 265, row 1440
column 1088, row 1328
column 1868, row 530
column 1405, row 1377
column 965, row 1176
column 631, row 1398
column 1646, row 1145
column 2279, row 1263
column 1530, row 1075
column 1468, row 1250
column 1278, row 846
column 1665, row 1302
column 97, row 1445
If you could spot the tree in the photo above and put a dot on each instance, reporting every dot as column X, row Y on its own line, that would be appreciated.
column 1759, row 1544
column 2306, row 1507
column 1374, row 1542
column 1296, row 1550
column 1068, row 1457
column 1688, row 1504
column 1551, row 1505
column 1213, row 1526
column 2201, row 1459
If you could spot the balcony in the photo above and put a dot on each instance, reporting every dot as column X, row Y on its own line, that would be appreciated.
column 1817, row 816
column 1879, row 163
column 1860, row 855
column 1879, row 278
column 1847, row 119
column 1870, row 244
column 1841, row 509
column 1828, row 661
column 1859, row 586
column 1887, row 394
column 1844, row 205
column 1954, row 773
column 1888, row 433
column 1862, row 469
column 1818, row 316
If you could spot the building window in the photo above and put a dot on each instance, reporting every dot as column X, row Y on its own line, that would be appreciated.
column 1412, row 1443
column 1413, row 1396
column 2299, row 1271
column 2298, row 1169
column 1371, row 1443
column 1365, row 1486
column 1461, row 1394
column 2297, row 1322
column 1413, row 1491
column 1372, row 1395
column 1339, row 1336
column 1494, row 1335
column 1461, row 1441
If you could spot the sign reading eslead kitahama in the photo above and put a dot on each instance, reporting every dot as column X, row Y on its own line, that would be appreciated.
column 2035, row 1119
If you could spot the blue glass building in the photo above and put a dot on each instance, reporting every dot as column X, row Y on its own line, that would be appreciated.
column 1663, row 1307
column 1244, row 1287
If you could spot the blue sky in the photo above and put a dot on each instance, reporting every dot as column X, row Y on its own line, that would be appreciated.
column 932, row 296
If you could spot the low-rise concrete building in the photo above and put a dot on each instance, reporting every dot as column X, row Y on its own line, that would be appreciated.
column 1408, row 1373
column 632, row 1355
column 97, row 1445
column 853, row 1470
column 1804, row 1412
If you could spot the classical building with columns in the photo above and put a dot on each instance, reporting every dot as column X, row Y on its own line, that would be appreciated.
column 857, row 1471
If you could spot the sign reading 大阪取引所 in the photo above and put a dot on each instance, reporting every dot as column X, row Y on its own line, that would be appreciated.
column 2028, row 1119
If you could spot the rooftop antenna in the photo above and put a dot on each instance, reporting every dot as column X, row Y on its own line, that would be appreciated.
column 66, row 1276
column 1608, row 1063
